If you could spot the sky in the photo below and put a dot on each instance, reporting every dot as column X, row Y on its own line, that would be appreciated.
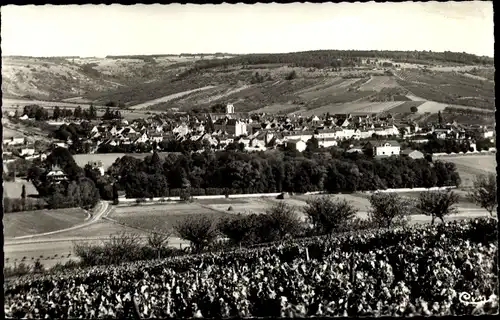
column 100, row 30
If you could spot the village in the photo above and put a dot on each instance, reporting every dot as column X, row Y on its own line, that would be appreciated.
column 254, row 132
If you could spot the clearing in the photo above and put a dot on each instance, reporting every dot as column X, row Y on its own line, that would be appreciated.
column 19, row 224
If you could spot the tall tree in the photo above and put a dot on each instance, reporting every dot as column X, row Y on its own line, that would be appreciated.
column 484, row 192
column 388, row 209
column 56, row 114
column 328, row 215
column 437, row 204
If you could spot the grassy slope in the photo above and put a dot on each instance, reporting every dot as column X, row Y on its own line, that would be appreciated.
column 449, row 88
column 32, row 222
column 135, row 81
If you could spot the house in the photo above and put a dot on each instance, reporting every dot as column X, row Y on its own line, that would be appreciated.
column 60, row 145
column 355, row 149
column 257, row 143
column 414, row 154
column 327, row 142
column 27, row 151
column 143, row 138
column 488, row 133
column 56, row 175
column 236, row 127
column 157, row 137
column 298, row 144
column 230, row 109
column 14, row 141
column 97, row 165
column 385, row 148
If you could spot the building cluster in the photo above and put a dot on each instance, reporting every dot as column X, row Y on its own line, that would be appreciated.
column 259, row 132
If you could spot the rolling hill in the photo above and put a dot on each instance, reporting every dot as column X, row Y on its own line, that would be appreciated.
column 307, row 82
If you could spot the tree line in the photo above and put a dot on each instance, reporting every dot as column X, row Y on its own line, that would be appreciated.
column 340, row 58
column 229, row 172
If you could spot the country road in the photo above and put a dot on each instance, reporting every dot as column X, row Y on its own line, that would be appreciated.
column 102, row 210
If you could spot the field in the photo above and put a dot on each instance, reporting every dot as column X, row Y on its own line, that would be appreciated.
column 377, row 83
column 13, row 189
column 9, row 133
column 279, row 108
column 448, row 87
column 472, row 165
column 167, row 98
column 405, row 107
column 164, row 217
column 357, row 107
column 19, row 224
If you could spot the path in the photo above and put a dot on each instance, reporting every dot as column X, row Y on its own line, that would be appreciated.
column 103, row 209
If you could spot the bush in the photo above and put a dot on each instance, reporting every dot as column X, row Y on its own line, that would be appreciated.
column 328, row 215
column 120, row 247
column 281, row 220
column 389, row 209
column 199, row 230
column 185, row 195
column 437, row 204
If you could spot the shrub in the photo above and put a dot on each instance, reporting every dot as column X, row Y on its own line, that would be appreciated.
column 281, row 220
column 38, row 267
column 389, row 209
column 120, row 247
column 328, row 215
column 484, row 192
column 199, row 230
column 157, row 240
column 437, row 204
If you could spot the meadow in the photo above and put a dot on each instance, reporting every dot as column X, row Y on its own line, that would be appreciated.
column 13, row 189
column 356, row 107
column 470, row 166
column 377, row 83
column 17, row 224
column 448, row 87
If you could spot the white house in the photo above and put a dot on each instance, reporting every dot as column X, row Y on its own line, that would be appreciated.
column 488, row 133
column 14, row 141
column 56, row 174
column 28, row 151
column 385, row 148
column 300, row 145
column 327, row 142
column 143, row 138
column 97, row 165
column 326, row 134
column 230, row 109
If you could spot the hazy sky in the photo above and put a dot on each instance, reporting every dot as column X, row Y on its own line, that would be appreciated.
column 99, row 30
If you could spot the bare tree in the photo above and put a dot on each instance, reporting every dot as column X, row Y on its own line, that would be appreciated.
column 158, row 240
column 389, row 209
column 437, row 204
column 484, row 192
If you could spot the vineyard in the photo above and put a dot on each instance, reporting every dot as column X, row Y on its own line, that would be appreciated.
column 448, row 88
column 446, row 269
